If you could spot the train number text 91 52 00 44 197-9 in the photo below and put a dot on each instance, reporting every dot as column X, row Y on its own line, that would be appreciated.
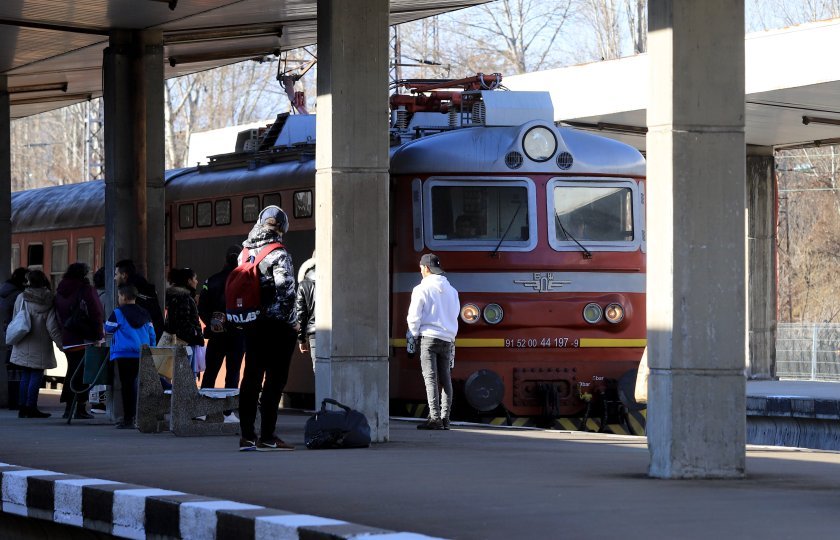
column 545, row 342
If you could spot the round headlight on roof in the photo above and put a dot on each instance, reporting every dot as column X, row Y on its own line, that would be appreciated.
column 539, row 143
column 592, row 313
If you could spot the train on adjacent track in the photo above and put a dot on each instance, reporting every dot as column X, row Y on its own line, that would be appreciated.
column 541, row 229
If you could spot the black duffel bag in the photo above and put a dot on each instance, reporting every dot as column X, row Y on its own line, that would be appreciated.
column 336, row 429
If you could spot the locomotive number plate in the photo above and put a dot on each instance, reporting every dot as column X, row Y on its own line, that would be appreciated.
column 542, row 343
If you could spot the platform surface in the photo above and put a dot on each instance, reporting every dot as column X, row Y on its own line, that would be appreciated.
column 467, row 483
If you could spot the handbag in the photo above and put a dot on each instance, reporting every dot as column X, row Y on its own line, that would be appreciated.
column 20, row 326
column 164, row 360
column 347, row 428
column 199, row 361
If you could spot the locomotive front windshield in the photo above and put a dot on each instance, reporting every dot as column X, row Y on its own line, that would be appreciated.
column 593, row 214
column 480, row 213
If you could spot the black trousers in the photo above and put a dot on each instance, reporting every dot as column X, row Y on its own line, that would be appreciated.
column 227, row 347
column 128, row 369
column 74, row 359
column 269, row 345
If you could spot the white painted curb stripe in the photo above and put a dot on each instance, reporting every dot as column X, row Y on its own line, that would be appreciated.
column 14, row 489
column 129, row 510
column 67, row 496
column 198, row 519
column 286, row 527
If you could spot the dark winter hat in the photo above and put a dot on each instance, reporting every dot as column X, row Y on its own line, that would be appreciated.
column 274, row 216
column 431, row 260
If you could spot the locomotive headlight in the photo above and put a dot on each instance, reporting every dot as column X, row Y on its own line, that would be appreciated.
column 493, row 313
column 614, row 313
column 470, row 313
column 592, row 313
column 539, row 143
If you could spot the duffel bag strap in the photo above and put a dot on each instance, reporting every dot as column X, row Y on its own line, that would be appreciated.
column 333, row 402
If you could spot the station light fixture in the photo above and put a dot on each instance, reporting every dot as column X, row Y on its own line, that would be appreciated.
column 48, row 99
column 211, row 56
column 45, row 87
column 218, row 33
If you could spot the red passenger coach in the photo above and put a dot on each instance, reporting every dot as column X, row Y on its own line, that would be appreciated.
column 540, row 228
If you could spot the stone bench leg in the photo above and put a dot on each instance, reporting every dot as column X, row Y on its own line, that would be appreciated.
column 152, row 403
column 188, row 403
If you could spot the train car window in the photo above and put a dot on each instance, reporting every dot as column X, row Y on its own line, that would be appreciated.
column 223, row 212
column 481, row 215
column 35, row 256
column 596, row 214
column 272, row 199
column 15, row 257
column 303, row 204
column 58, row 261
column 204, row 214
column 250, row 209
column 84, row 252
column 185, row 216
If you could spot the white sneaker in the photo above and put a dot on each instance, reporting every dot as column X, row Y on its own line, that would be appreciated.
column 231, row 419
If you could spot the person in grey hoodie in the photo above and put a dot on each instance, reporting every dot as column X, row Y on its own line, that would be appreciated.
column 34, row 353
column 270, row 339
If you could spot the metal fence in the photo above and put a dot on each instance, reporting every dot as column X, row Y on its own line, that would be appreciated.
column 808, row 351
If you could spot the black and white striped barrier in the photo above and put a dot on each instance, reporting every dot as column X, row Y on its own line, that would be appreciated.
column 132, row 511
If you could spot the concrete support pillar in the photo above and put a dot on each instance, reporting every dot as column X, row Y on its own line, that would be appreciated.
column 761, row 263
column 5, row 219
column 134, row 153
column 351, row 187
column 696, row 419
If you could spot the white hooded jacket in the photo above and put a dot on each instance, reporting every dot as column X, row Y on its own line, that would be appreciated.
column 434, row 309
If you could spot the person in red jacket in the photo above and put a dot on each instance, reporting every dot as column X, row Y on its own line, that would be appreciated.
column 75, row 292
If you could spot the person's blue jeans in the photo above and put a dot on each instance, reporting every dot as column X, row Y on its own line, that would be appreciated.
column 435, row 357
column 30, row 383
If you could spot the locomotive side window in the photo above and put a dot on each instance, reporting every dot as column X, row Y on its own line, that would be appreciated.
column 223, row 212
column 597, row 214
column 250, row 209
column 272, row 199
column 84, row 252
column 481, row 215
column 35, row 256
column 303, row 204
column 185, row 216
column 58, row 261
column 204, row 214
column 15, row 257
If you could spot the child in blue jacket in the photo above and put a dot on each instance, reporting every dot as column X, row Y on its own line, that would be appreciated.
column 131, row 326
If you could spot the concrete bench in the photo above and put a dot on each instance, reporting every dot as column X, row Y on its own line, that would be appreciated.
column 185, row 403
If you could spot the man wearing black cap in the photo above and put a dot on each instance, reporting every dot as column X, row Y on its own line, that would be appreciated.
column 270, row 339
column 225, row 341
column 433, row 318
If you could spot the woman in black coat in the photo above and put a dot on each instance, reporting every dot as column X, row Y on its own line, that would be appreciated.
column 181, row 310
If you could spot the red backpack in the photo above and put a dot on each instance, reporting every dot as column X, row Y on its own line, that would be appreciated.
column 243, row 299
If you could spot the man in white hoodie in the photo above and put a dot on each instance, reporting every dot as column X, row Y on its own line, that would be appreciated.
column 433, row 318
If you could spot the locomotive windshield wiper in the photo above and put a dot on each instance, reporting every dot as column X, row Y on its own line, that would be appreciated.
column 495, row 252
column 586, row 253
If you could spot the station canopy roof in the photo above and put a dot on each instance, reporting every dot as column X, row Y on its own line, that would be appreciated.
column 52, row 50
column 792, row 90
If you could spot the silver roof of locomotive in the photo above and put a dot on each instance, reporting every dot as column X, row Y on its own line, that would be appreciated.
column 504, row 120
